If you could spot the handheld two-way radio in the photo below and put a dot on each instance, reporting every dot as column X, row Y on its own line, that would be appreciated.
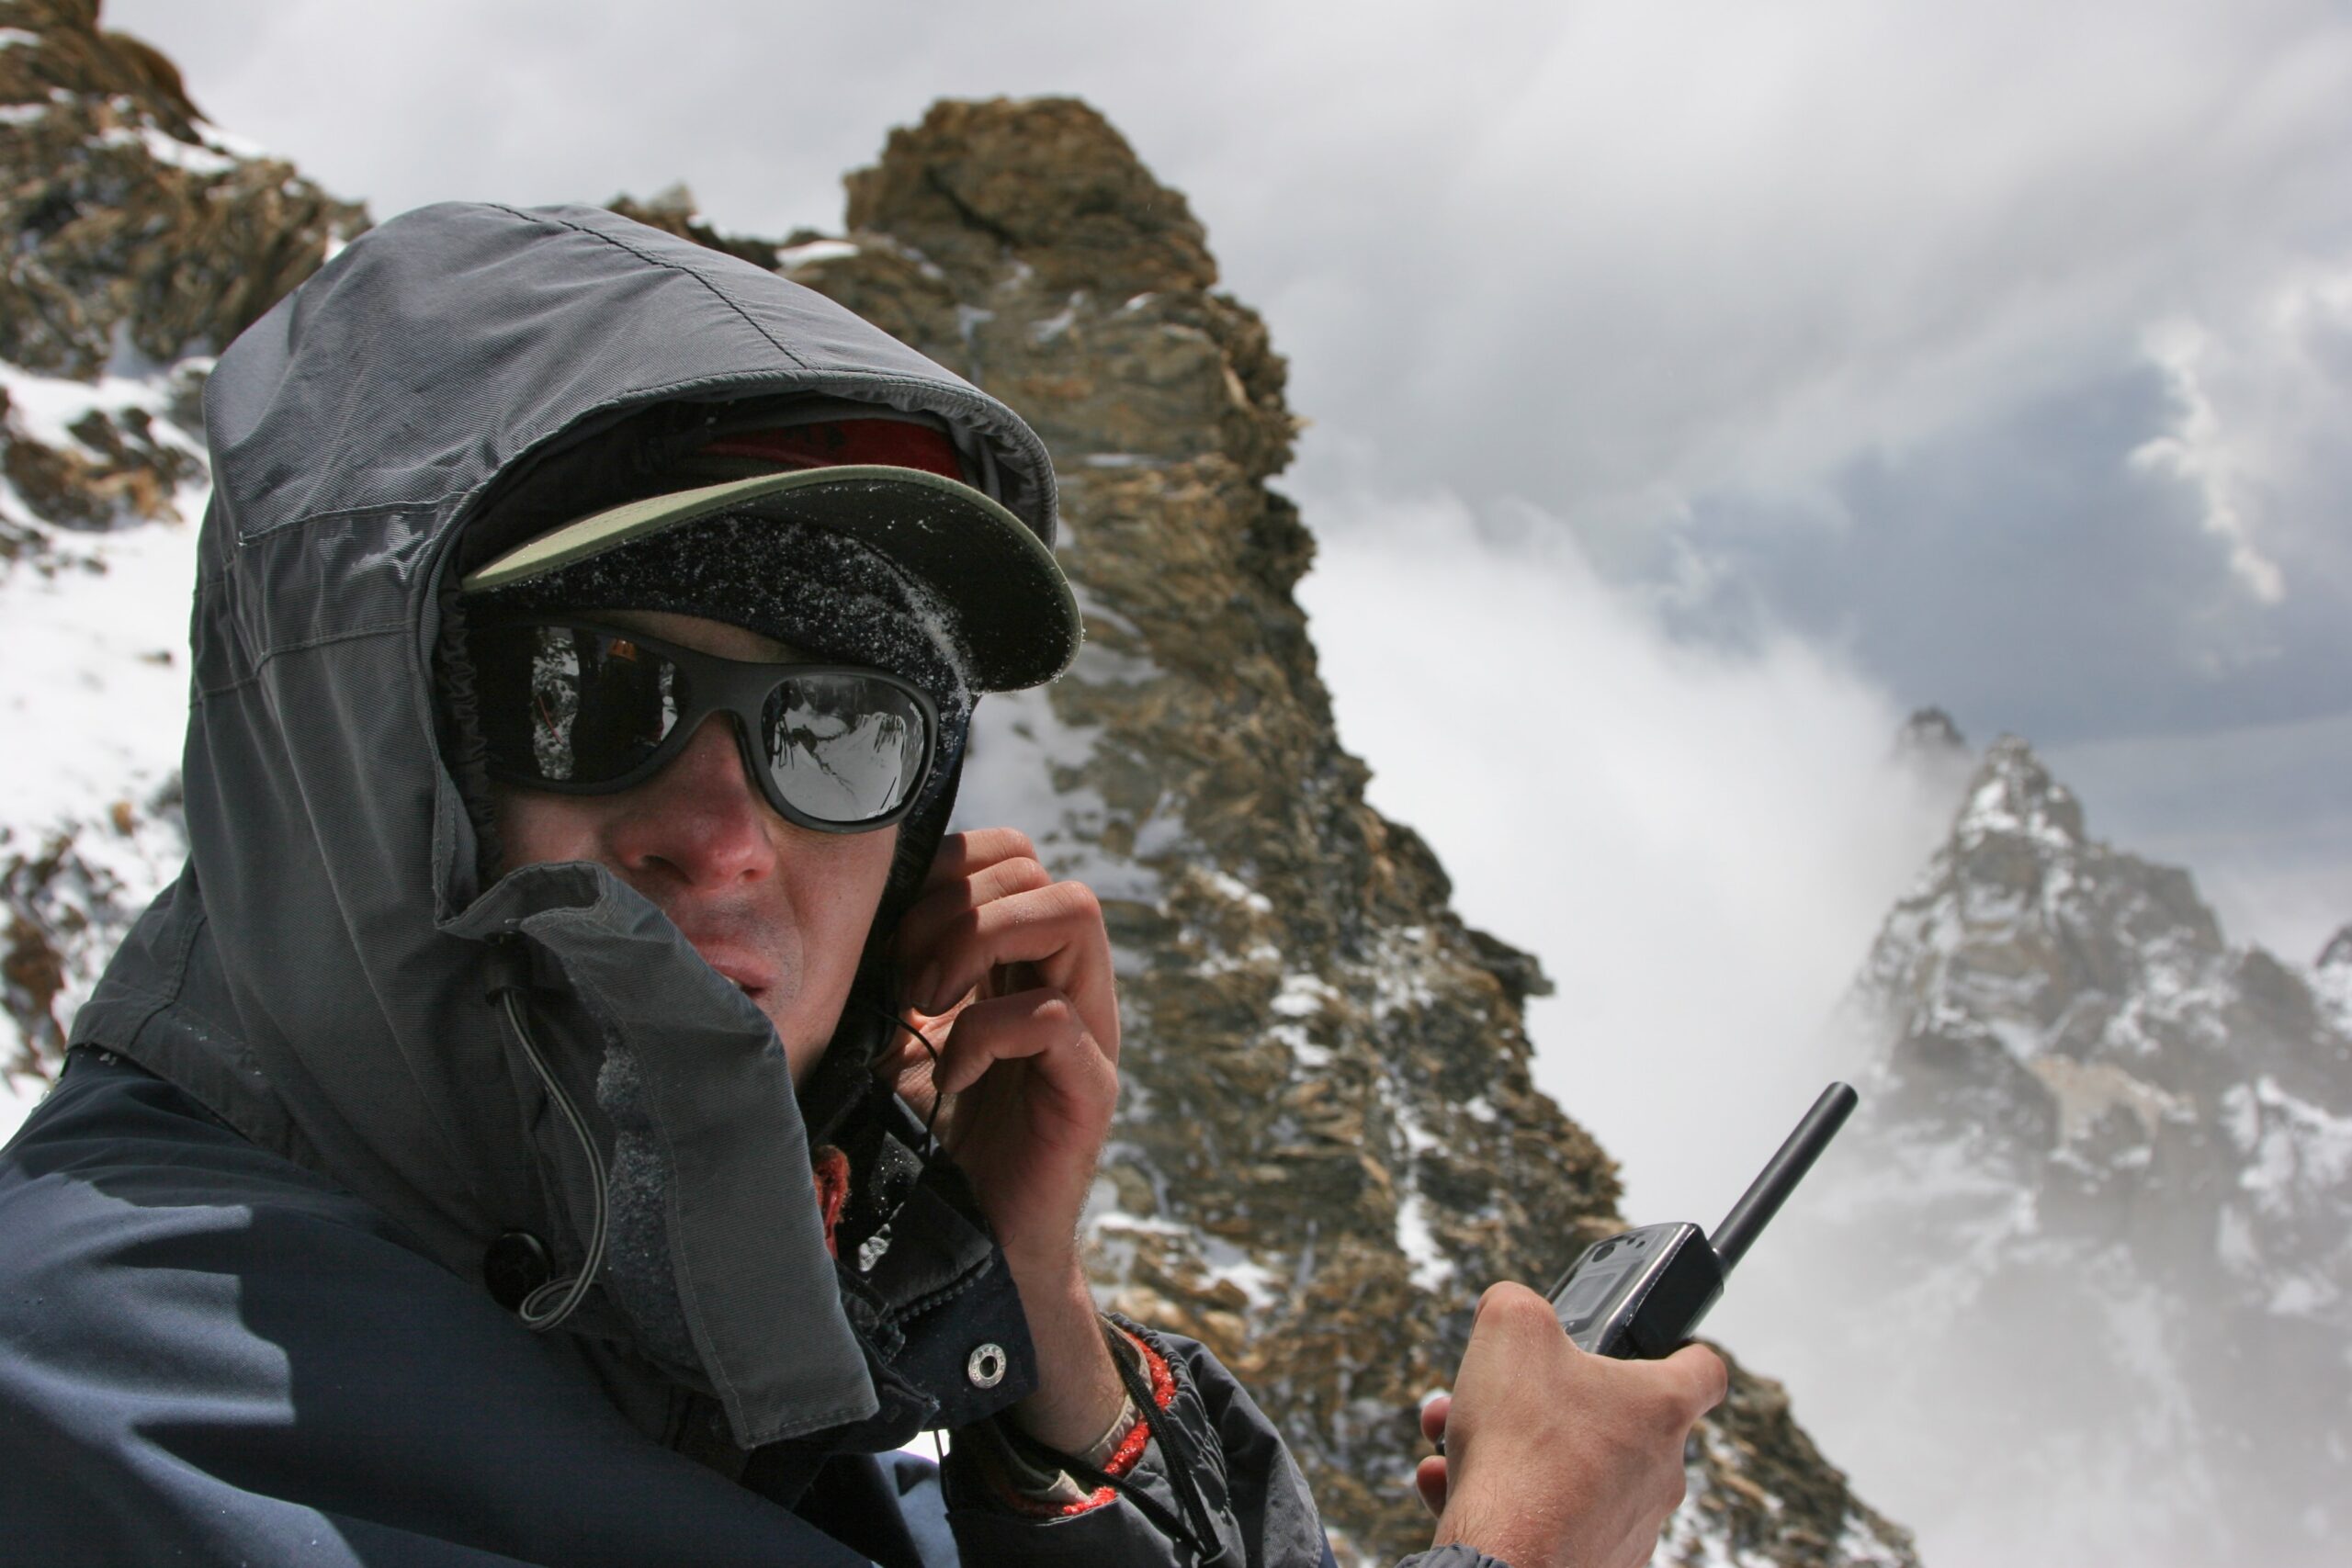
column 1640, row 1295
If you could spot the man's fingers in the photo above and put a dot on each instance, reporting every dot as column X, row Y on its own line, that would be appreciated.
column 943, row 903
column 1057, row 928
column 1433, row 1415
column 1553, row 1455
column 1512, row 1313
column 991, row 920
column 1428, row 1480
column 1040, row 1025
column 961, row 854
column 1706, row 1382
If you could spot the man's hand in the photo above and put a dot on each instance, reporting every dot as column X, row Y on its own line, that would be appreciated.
column 1555, row 1458
column 1010, row 980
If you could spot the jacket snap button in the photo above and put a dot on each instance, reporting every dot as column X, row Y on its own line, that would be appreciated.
column 986, row 1366
column 514, row 1265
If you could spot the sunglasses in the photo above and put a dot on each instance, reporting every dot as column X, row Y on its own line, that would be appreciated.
column 583, row 709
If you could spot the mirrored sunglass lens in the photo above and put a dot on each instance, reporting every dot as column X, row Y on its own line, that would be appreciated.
column 844, row 748
column 571, row 705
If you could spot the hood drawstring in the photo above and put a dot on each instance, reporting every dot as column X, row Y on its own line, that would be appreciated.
column 1183, row 1462
column 509, row 987
column 1180, row 1461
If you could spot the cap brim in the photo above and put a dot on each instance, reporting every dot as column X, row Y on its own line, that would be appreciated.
column 1019, row 619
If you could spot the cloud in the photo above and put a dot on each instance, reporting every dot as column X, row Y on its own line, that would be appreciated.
column 2034, row 572
column 1698, row 843
column 2198, row 451
column 2261, row 402
column 1685, row 246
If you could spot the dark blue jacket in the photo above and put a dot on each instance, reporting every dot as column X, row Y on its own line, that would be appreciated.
column 213, row 1355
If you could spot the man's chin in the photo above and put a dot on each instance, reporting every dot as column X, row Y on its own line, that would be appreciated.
column 804, row 1041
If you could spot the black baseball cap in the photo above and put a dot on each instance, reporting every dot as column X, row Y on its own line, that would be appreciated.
column 895, row 483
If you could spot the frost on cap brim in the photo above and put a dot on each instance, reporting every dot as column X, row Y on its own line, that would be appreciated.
column 1018, row 618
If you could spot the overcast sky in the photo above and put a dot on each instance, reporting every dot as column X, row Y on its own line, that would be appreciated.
column 1716, row 380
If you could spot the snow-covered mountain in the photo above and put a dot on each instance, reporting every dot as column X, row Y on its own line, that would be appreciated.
column 2083, row 1270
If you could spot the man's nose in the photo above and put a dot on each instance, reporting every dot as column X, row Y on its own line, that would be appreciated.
column 700, row 819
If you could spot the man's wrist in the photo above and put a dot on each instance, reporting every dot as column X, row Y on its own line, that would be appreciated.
column 1079, row 1396
column 1501, row 1541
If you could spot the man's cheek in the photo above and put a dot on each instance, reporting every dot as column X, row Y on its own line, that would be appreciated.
column 537, row 829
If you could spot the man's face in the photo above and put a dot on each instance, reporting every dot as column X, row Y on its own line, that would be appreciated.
column 781, row 911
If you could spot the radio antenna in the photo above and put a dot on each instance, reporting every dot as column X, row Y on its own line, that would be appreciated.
column 1763, row 1198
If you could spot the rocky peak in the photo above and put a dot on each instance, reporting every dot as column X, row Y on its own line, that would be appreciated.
column 63, row 50
column 1077, row 287
column 1045, row 181
column 2024, row 937
column 135, row 224
column 1929, row 733
column 2332, row 978
column 674, row 211
column 2114, row 1147
column 141, row 241
column 2014, row 798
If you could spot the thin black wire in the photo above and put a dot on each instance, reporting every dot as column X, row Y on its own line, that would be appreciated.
column 931, row 1116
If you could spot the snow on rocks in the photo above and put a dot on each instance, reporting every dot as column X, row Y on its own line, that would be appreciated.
column 94, row 698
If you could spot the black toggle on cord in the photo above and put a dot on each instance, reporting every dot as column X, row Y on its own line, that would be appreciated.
column 509, row 984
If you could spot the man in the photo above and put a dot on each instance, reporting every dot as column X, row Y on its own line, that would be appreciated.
column 578, row 1105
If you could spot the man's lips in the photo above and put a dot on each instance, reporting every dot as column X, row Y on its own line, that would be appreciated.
column 742, row 945
column 749, row 972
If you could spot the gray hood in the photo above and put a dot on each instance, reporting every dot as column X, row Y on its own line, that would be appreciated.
column 316, row 977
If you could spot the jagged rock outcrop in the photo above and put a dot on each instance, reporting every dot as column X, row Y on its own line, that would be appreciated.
column 674, row 211
column 2332, row 978
column 1329, row 1139
column 134, row 222
column 1931, row 735
column 137, row 235
column 2096, row 1215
